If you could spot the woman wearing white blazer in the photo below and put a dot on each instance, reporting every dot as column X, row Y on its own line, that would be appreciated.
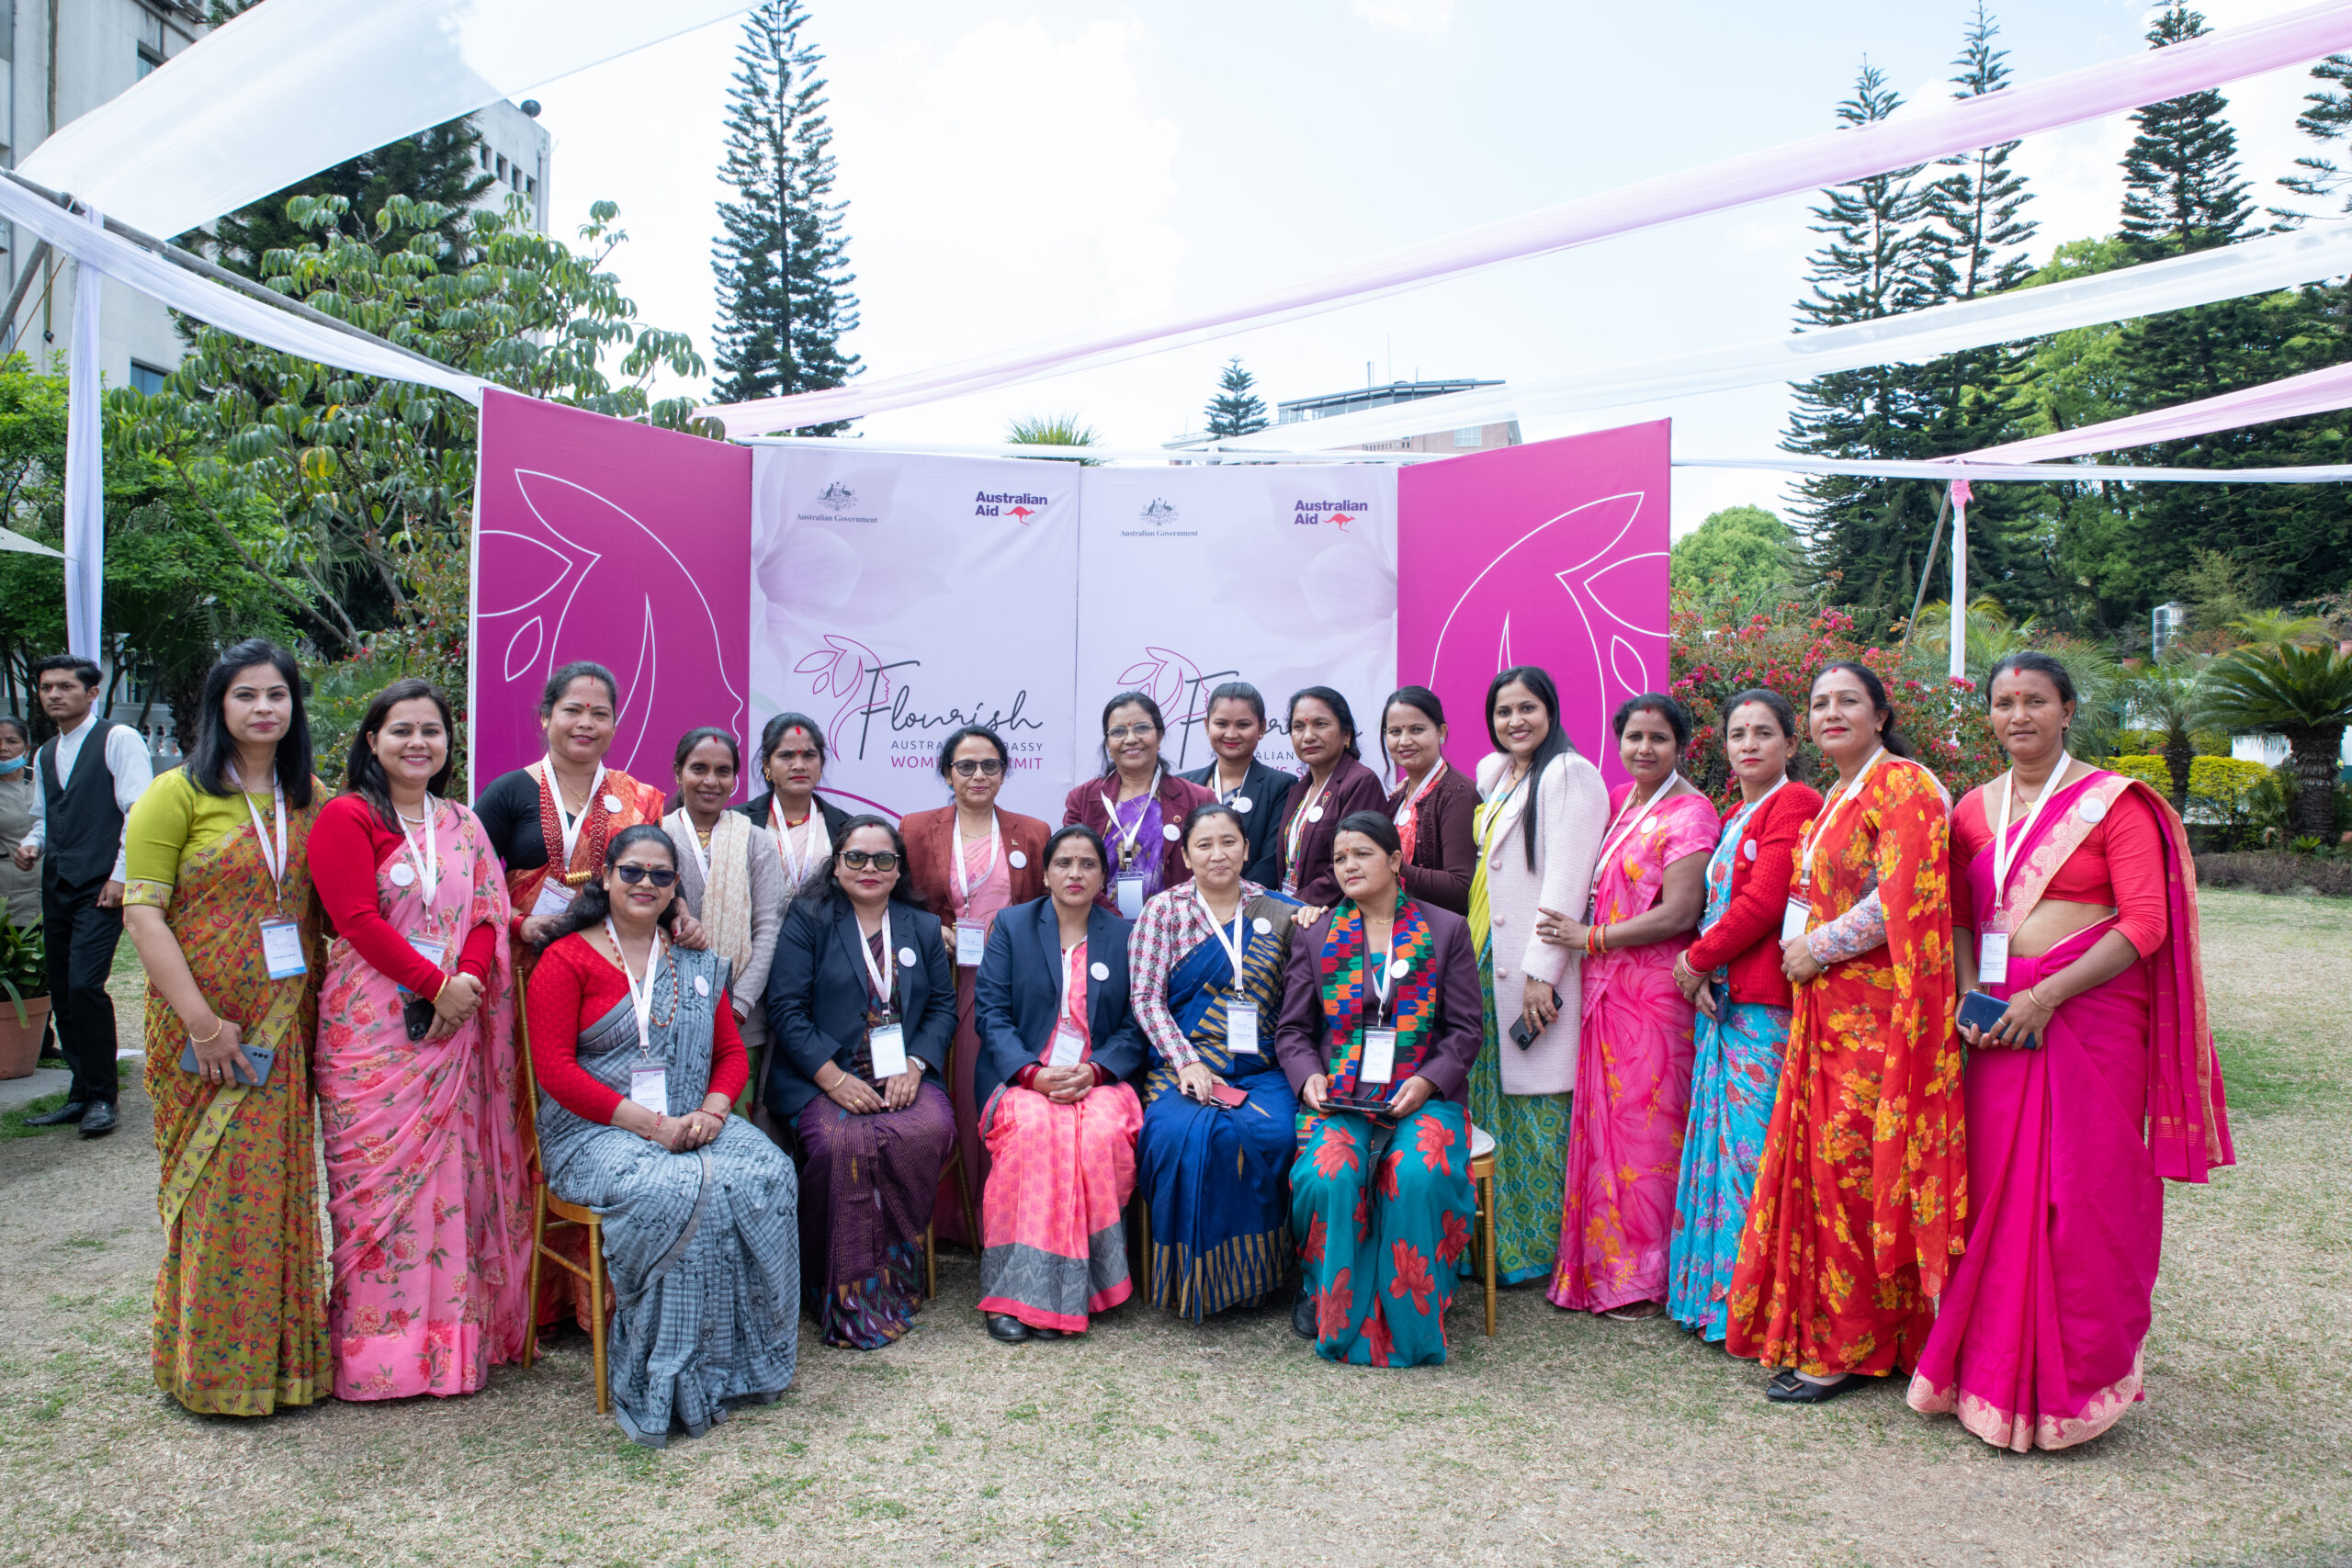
column 1542, row 812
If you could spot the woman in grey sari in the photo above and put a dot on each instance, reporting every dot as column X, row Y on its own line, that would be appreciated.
column 638, row 1064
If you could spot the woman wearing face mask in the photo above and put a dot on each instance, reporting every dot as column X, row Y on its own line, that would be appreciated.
column 1626, row 1129
column 862, row 1005
column 1136, row 807
column 802, row 825
column 428, row 1169
column 219, row 904
column 549, row 822
column 1435, row 807
column 2095, row 1085
column 1732, row 976
column 1204, row 969
column 731, row 879
column 1060, row 1040
column 1337, row 785
column 1261, row 792
column 19, row 885
column 1863, row 1190
column 638, row 1064
column 1539, row 827
column 969, row 860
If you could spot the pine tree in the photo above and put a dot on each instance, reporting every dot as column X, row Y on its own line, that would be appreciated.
column 1868, row 533
column 783, row 261
column 1235, row 410
column 2325, row 120
column 2182, row 189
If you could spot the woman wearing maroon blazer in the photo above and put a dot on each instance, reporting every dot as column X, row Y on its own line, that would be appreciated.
column 1137, row 806
column 1337, row 785
column 1434, row 806
column 1733, row 972
column 1003, row 856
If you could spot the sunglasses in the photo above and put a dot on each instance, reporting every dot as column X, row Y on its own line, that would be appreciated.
column 987, row 768
column 660, row 875
column 881, row 859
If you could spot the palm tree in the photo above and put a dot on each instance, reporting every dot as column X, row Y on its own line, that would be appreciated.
column 1054, row 429
column 1993, row 635
column 2303, row 693
column 2168, row 695
column 2265, row 630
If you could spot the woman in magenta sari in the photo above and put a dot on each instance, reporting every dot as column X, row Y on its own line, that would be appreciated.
column 1633, row 1062
column 2078, row 909
column 423, row 1129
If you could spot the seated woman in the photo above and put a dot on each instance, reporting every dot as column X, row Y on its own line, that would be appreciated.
column 1204, row 967
column 1381, row 1003
column 638, row 1062
column 1056, row 1038
column 861, row 1007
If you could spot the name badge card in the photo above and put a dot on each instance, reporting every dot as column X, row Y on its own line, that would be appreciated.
column 1241, row 1028
column 428, row 949
column 554, row 897
column 888, row 1044
column 1992, row 953
column 281, row 949
column 1793, row 918
column 1379, row 1056
column 972, row 943
column 648, row 1086
column 1131, row 895
column 1068, row 1050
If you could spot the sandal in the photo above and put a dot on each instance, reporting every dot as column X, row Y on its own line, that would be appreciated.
column 1639, row 1312
column 1790, row 1389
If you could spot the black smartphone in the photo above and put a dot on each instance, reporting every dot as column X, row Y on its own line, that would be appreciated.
column 1522, row 1034
column 417, row 1013
column 1982, row 1011
column 259, row 1061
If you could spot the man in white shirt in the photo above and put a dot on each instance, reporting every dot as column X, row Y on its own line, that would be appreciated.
column 81, row 805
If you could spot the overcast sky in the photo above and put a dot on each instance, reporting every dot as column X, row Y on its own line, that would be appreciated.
column 1017, row 171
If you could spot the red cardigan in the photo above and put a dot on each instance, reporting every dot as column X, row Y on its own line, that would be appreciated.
column 350, row 843
column 1748, row 936
column 573, row 987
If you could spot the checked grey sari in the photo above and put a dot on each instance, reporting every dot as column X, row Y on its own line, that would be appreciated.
column 703, row 1247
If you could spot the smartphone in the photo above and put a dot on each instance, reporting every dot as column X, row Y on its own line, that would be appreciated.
column 258, row 1060
column 1521, row 1033
column 416, row 1013
column 1982, row 1010
column 1232, row 1099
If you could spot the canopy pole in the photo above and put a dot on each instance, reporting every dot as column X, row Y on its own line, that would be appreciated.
column 1935, row 543
column 8, row 334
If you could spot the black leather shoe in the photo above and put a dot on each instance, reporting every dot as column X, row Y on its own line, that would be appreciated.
column 1790, row 1389
column 99, row 1119
column 71, row 1112
column 1006, row 1329
column 1302, row 1317
column 1037, row 1333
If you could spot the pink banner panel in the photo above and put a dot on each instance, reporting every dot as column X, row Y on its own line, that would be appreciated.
column 1553, row 554
column 600, row 539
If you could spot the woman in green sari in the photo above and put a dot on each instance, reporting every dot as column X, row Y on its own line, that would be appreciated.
column 219, row 902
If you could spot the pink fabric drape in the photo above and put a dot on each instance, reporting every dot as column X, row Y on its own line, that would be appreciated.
column 2318, row 391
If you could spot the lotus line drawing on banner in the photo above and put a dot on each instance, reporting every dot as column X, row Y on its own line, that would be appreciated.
column 841, row 669
column 1165, row 676
column 549, row 575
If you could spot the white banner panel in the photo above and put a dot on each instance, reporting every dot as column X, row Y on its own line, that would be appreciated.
column 895, row 599
column 1277, row 575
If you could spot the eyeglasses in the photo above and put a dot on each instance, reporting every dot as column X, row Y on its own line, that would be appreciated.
column 881, row 859
column 660, row 875
column 1140, row 731
column 985, row 767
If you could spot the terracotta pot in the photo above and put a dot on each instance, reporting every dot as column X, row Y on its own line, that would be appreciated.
column 20, row 1043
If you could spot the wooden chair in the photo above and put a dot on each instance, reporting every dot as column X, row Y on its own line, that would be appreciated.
column 547, row 1208
column 1482, row 1184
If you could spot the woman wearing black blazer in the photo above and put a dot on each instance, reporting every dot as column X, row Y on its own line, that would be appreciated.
column 1236, row 723
column 803, row 826
column 1057, row 1042
column 1435, row 807
column 1338, row 785
column 861, row 1007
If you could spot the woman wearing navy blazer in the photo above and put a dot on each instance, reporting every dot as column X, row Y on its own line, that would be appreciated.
column 1236, row 723
column 1338, row 785
column 1057, row 1043
column 861, row 978
column 1135, row 806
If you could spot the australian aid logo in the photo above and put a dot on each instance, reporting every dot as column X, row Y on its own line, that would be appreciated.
column 1016, row 504
column 1337, row 514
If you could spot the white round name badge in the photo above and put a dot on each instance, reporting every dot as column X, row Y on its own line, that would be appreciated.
column 1399, row 969
column 2092, row 811
column 1750, row 850
column 1315, row 813
column 612, row 803
column 1264, row 926
column 1242, row 804
column 1016, row 860
column 402, row 876
column 702, row 985
column 1100, row 971
column 1649, row 824
column 1171, row 833
column 907, row 956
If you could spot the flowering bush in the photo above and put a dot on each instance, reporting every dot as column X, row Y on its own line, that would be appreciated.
column 1722, row 648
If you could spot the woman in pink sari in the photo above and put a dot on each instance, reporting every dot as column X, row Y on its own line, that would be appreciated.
column 416, row 1070
column 2078, row 909
column 1635, row 1059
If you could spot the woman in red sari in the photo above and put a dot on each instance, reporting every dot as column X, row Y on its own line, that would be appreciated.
column 2097, row 1084
column 1862, row 1191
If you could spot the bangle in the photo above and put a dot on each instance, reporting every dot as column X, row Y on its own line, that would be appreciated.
column 2033, row 994
column 218, row 1024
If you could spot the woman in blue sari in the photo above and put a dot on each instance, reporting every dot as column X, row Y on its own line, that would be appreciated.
column 1212, row 1167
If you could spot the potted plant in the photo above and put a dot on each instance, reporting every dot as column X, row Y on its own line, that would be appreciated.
column 24, row 998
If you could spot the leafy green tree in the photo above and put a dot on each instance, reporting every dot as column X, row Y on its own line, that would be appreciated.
column 2303, row 693
column 782, row 260
column 442, row 165
column 2167, row 695
column 1742, row 551
column 1235, row 410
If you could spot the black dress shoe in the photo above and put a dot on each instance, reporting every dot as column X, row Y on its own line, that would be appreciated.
column 1790, row 1389
column 1037, row 1333
column 99, row 1119
column 1302, row 1316
column 71, row 1112
column 1007, row 1329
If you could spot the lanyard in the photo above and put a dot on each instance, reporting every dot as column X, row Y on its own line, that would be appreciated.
column 1216, row 777
column 885, row 975
column 276, row 863
column 1128, row 837
column 2002, row 851
column 1298, row 822
column 569, row 826
column 1234, row 947
column 1382, row 982
column 1750, row 810
column 794, row 866
column 964, row 885
column 694, row 843
column 1072, row 956
column 1804, row 876
column 428, row 859
column 640, row 1001
column 1501, row 803
column 1413, row 805
column 1628, row 818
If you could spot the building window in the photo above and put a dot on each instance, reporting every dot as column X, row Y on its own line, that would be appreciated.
column 1469, row 435
column 501, row 165
column 150, row 41
column 147, row 378
column 531, row 188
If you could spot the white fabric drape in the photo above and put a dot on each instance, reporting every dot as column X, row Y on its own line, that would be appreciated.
column 297, row 85
column 2033, row 473
column 85, row 480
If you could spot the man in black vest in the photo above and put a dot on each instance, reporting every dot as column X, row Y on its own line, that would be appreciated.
column 87, row 777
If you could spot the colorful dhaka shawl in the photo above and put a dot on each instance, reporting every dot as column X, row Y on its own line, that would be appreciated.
column 1349, row 996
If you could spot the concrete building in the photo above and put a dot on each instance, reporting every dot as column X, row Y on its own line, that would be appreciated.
column 1468, row 438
